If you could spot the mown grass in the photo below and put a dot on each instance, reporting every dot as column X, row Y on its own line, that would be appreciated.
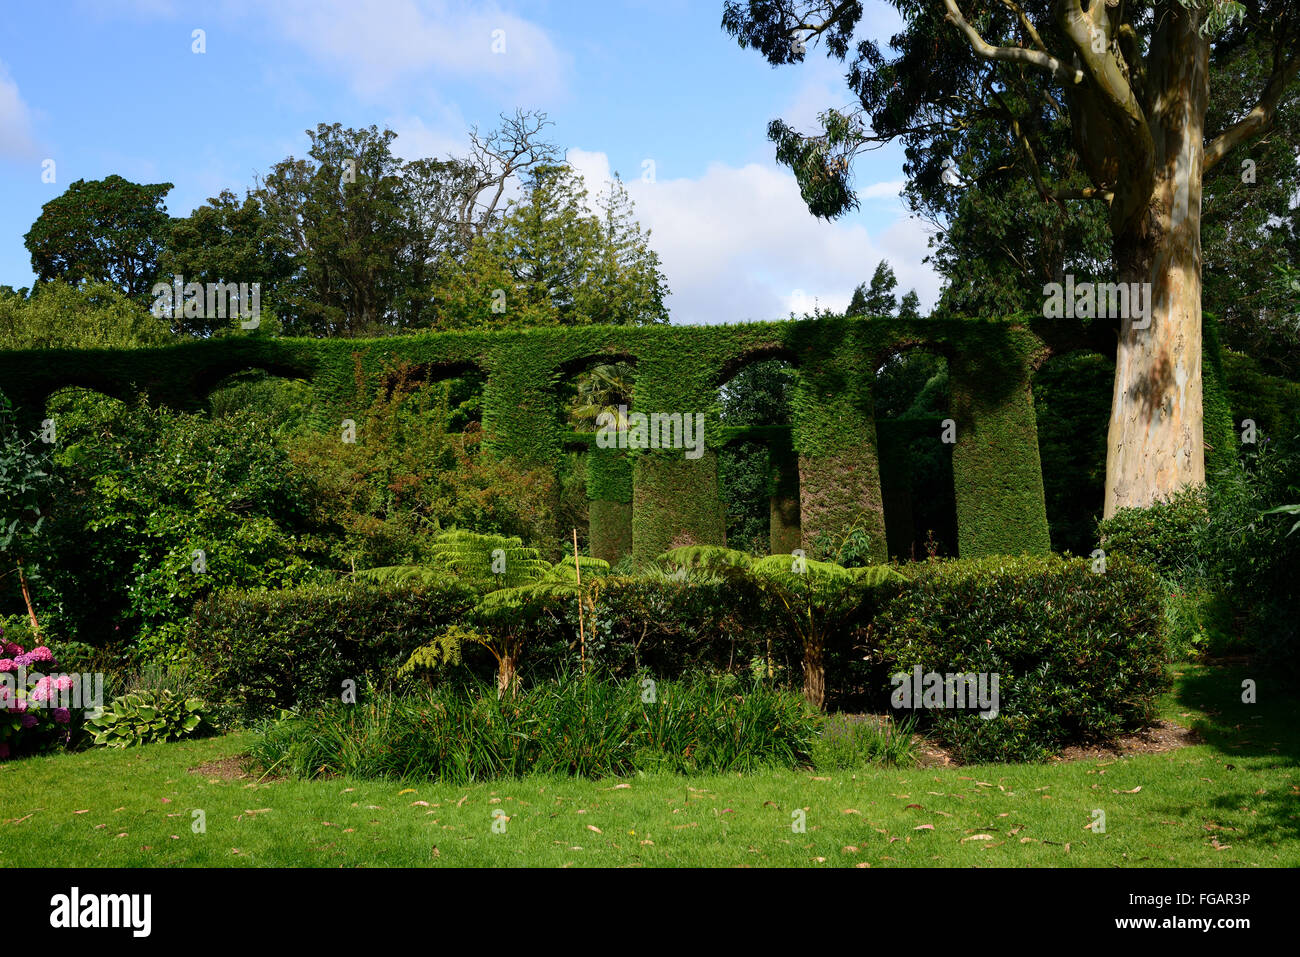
column 1233, row 800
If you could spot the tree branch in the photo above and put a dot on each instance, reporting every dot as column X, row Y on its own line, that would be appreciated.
column 1259, row 119
column 1039, row 59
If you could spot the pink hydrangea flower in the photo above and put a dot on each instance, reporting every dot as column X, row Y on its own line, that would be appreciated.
column 7, row 664
column 38, row 655
column 62, row 715
column 29, row 720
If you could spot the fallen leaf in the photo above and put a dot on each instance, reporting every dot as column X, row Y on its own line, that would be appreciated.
column 592, row 827
column 924, row 827
column 977, row 837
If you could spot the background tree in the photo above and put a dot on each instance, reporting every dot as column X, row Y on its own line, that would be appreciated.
column 879, row 298
column 227, row 240
column 1132, row 84
column 910, row 306
column 340, row 213
column 89, row 316
column 553, row 261
column 109, row 230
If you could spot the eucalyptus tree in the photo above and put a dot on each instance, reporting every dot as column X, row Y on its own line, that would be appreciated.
column 1105, row 102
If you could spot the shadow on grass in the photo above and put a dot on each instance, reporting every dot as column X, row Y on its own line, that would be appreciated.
column 1264, row 735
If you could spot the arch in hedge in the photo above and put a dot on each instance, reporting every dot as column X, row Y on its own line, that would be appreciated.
column 673, row 499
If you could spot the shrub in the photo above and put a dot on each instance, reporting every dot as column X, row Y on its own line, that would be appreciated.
column 1168, row 537
column 145, row 718
column 1078, row 654
column 588, row 726
column 1227, row 557
column 157, row 510
column 266, row 650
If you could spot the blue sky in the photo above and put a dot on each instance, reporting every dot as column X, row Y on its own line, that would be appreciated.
column 114, row 86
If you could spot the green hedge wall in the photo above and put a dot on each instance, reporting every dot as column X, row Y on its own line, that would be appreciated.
column 680, row 368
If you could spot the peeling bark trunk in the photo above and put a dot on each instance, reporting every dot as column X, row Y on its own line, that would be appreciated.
column 1155, row 445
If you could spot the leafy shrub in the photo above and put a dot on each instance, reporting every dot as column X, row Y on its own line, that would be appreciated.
column 1168, row 537
column 588, row 726
column 1226, row 557
column 265, row 650
column 145, row 718
column 157, row 510
column 1079, row 655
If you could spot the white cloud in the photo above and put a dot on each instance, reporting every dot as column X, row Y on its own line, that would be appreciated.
column 739, row 244
column 381, row 44
column 889, row 190
column 16, row 139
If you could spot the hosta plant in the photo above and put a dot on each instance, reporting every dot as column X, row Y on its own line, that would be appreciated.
column 146, row 717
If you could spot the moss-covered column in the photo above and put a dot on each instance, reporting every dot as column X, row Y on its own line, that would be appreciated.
column 675, row 498
column 609, row 506
column 521, row 413
column 835, row 436
column 997, row 475
column 784, row 532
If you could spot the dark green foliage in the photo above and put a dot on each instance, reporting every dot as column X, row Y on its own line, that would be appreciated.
column 1078, row 654
column 109, row 230
column 264, row 649
column 228, row 240
column 585, row 726
column 1273, row 404
column 1228, row 559
column 159, row 509
column 1072, row 403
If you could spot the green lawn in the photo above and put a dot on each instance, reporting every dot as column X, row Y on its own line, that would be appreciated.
column 1232, row 801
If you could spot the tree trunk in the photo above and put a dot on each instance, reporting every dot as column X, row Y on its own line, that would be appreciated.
column 27, row 597
column 507, row 676
column 1155, row 445
column 814, row 674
